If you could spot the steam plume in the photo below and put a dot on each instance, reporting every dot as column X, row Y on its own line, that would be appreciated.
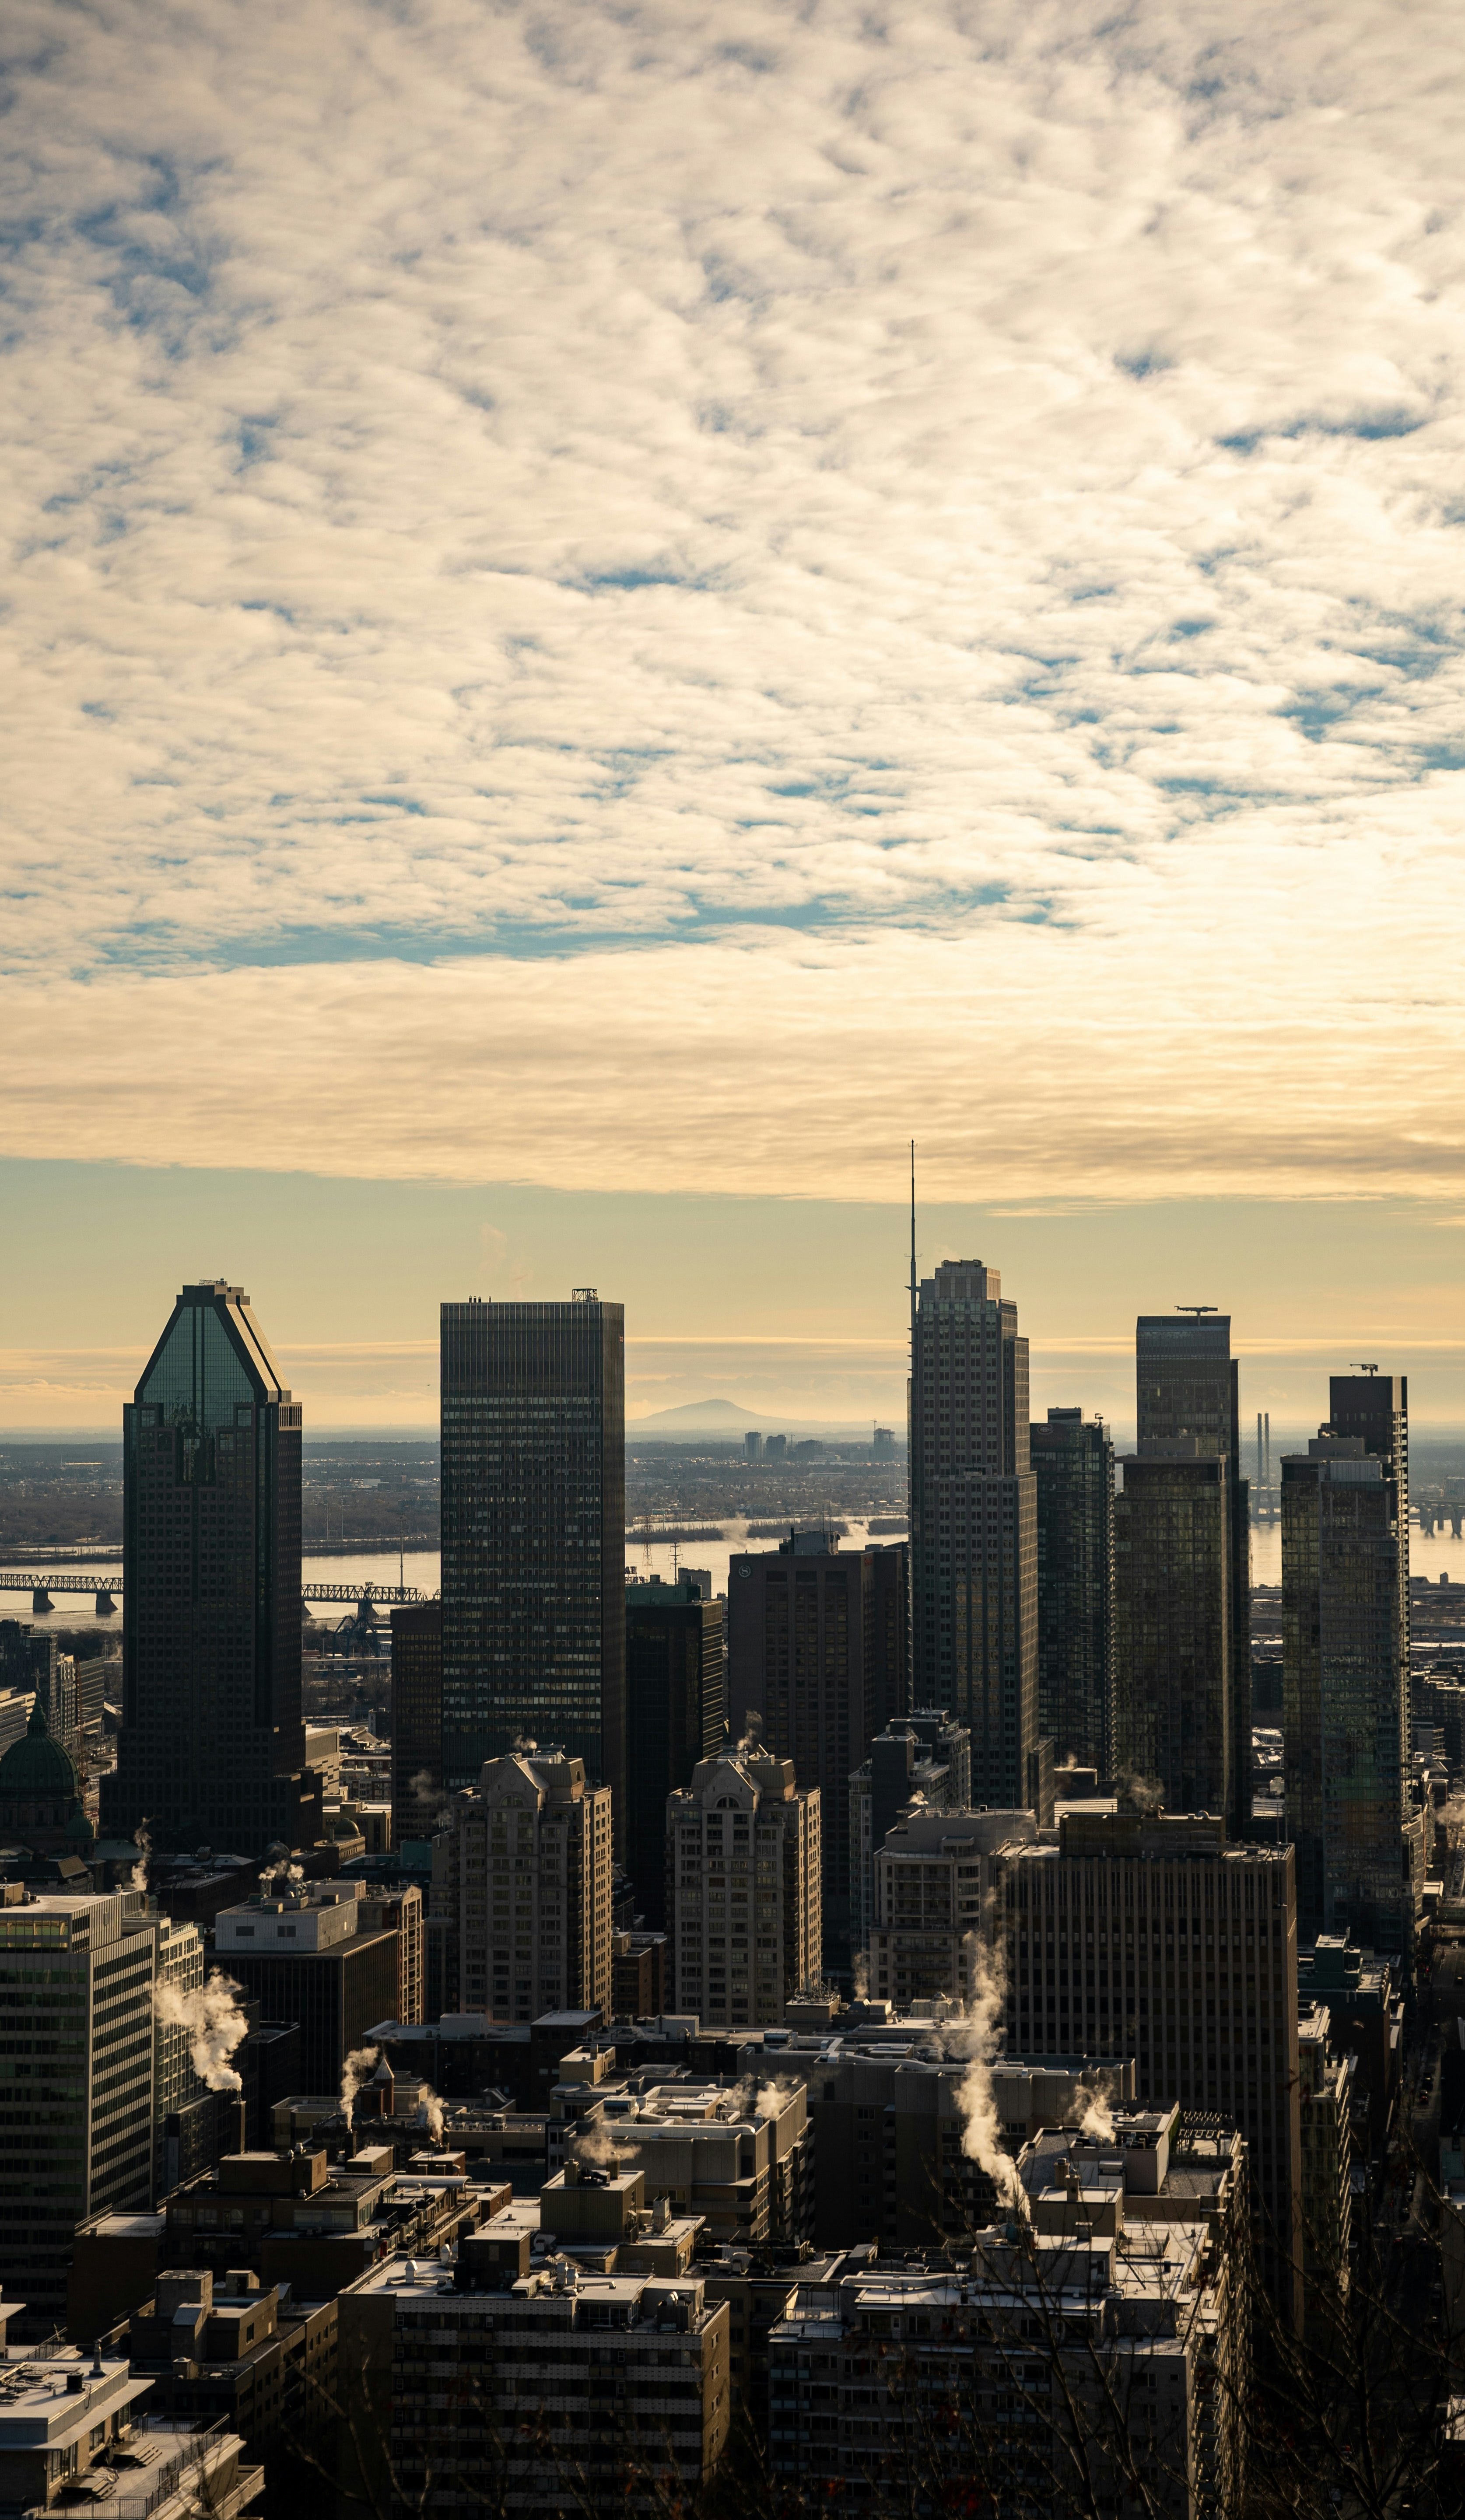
column 1090, row 2112
column 973, row 2037
column 1140, row 1793
column 137, row 1878
column 429, row 2111
column 594, row 2150
column 859, row 1976
column 358, row 2068
column 214, row 2024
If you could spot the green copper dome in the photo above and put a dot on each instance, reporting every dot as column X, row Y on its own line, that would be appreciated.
column 35, row 1769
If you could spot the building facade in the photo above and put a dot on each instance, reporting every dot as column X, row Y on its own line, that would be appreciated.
column 75, row 2001
column 743, row 1888
column 974, row 1525
column 1072, row 1474
column 1175, row 1694
column 534, row 1534
column 1153, row 1937
column 675, row 1714
column 1187, row 1391
column 933, row 1886
column 922, row 1761
column 1342, row 1678
column 817, row 1652
column 1375, row 1408
column 416, row 1719
column 305, row 1957
column 211, row 1750
column 522, row 1890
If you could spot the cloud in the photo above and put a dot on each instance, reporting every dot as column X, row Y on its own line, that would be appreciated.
column 780, row 577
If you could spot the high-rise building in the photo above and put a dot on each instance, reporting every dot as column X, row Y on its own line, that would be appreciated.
column 1150, row 1936
column 1187, row 1386
column 534, row 1534
column 1342, row 1682
column 1073, row 1472
column 76, row 2001
column 742, row 1875
column 1174, row 1699
column 305, row 1956
column 1375, row 1408
column 416, row 1719
column 522, row 1890
column 933, row 1886
column 817, row 1651
column 752, row 1446
column 921, row 1761
column 211, row 1750
column 974, row 1525
column 675, row 1714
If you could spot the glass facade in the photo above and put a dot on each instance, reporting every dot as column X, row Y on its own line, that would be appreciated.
column 212, row 1742
column 1173, row 1633
column 974, row 1525
column 1341, row 1691
column 533, row 1535
column 1073, row 1472
column 676, row 1714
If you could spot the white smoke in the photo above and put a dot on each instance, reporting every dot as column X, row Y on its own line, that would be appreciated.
column 973, row 2037
column 594, row 2150
column 429, row 2111
column 142, row 1837
column 282, row 1874
column 358, row 2068
column 211, row 2015
column 1139, row 1794
column 752, row 1741
column 1091, row 2110
column 859, row 1976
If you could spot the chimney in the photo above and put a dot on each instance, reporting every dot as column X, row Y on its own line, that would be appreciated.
column 236, row 2124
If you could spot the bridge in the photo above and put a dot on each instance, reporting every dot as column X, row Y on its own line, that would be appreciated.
column 41, row 1585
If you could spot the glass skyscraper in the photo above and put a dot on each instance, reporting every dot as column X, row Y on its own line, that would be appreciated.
column 1073, row 1469
column 533, row 1535
column 973, row 1527
column 211, row 1746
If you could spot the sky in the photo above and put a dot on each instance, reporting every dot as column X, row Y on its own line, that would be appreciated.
column 609, row 611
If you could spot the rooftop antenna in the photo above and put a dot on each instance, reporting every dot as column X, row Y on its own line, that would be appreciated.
column 1197, row 1309
column 913, row 1255
column 1362, row 1369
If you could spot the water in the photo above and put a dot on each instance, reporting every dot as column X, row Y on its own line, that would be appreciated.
column 1432, row 1556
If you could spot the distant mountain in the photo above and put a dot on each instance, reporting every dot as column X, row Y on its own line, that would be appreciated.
column 697, row 1417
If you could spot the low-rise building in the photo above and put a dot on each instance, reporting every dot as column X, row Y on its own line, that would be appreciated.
column 741, row 2159
column 74, row 2428
column 573, row 2392
column 233, row 2348
column 638, row 1976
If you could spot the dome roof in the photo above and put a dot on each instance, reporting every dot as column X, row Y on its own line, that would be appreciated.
column 35, row 1769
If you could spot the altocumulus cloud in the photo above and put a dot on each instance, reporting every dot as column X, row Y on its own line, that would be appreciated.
column 913, row 552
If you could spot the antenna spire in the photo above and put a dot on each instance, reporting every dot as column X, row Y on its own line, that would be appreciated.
column 913, row 1255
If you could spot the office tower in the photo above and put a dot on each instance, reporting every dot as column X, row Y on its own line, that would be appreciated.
column 416, row 1720
column 211, row 1747
column 1328, row 2079
column 974, row 1524
column 675, row 1714
column 817, row 1652
column 1187, row 1386
column 752, row 1446
column 522, row 1890
column 534, row 1534
column 185, row 2111
column 933, row 1883
column 76, row 2001
column 1152, row 1937
column 32, row 1663
column 882, row 1444
column 1375, row 1408
column 1174, row 1669
column 921, row 1761
column 775, row 1448
column 1073, row 1472
column 306, row 1957
column 742, row 1875
column 1342, row 1682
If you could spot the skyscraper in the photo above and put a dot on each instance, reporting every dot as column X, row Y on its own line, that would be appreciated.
column 1187, row 1386
column 1073, row 1471
column 818, row 1650
column 743, row 1879
column 534, row 1534
column 1173, row 1647
column 1341, row 1668
column 522, row 1891
column 974, row 1524
column 676, row 1713
column 211, row 1747
column 1375, row 1408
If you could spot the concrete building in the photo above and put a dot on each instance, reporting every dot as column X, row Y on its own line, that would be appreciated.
column 522, row 1890
column 818, row 1652
column 933, row 1886
column 77, row 2031
column 1344, row 1678
column 1187, row 1399
column 638, row 1976
column 211, row 1749
column 1104, row 2310
column 920, row 1761
column 558, row 2391
column 1153, row 1937
column 743, row 1888
column 399, row 1911
column 75, row 2429
column 739, row 2159
column 306, row 1957
column 676, row 1713
column 534, row 1534
column 1073, row 1471
column 232, row 2349
column 416, row 1719
column 1326, row 2083
column 974, row 1526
